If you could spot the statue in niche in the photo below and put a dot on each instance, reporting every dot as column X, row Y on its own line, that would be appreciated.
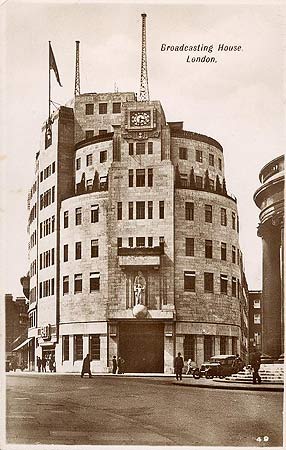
column 139, row 288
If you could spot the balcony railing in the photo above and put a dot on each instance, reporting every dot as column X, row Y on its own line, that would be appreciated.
column 141, row 251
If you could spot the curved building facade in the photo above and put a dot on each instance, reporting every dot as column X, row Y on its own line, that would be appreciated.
column 137, row 240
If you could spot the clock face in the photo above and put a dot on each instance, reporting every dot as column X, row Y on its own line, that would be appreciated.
column 140, row 118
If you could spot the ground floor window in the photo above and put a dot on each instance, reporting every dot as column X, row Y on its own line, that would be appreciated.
column 66, row 348
column 208, row 347
column 234, row 346
column 78, row 347
column 94, row 346
column 222, row 345
column 189, row 347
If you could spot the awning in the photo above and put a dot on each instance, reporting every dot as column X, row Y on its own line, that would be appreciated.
column 22, row 345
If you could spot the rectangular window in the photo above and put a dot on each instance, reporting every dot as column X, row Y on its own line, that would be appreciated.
column 131, row 148
column 223, row 217
column 234, row 345
column 116, row 107
column 77, row 283
column 199, row 156
column 89, row 160
column 119, row 210
column 140, row 242
column 140, row 177
column 140, row 210
column 94, row 248
column 183, row 153
column 94, row 213
column 103, row 156
column 150, row 148
column 94, row 344
column 66, row 252
column 190, row 247
column 257, row 339
column 233, row 287
column 78, row 216
column 199, row 182
column 119, row 242
column 223, row 284
column 208, row 282
column 256, row 303
column 78, row 250
column 219, row 164
column 130, row 177
column 94, row 281
column 101, row 132
column 211, row 183
column 223, row 251
column 150, row 210
column 233, row 253
column 208, row 347
column 89, row 109
column 89, row 134
column 150, row 177
column 89, row 185
column 208, row 248
column 189, row 347
column 130, row 241
column 190, row 281
column 65, row 285
column 211, row 159
column 208, row 213
column 66, row 219
column 66, row 348
column 102, row 108
column 78, row 347
column 222, row 346
column 150, row 242
column 77, row 163
column 140, row 148
column 161, row 209
column 130, row 210
column 233, row 217
column 189, row 211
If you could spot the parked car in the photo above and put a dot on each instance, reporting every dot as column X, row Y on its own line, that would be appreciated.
column 218, row 366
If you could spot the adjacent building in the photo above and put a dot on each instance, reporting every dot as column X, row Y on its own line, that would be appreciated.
column 16, row 322
column 255, row 321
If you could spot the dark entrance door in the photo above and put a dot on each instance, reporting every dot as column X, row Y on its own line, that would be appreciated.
column 141, row 345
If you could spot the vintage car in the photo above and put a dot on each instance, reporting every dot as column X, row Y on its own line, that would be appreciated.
column 218, row 366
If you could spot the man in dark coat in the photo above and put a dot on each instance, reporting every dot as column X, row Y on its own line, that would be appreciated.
column 39, row 363
column 86, row 366
column 255, row 364
column 114, row 365
column 178, row 366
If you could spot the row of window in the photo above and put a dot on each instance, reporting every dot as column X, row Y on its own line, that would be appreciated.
column 47, row 258
column 48, row 171
column 190, row 346
column 140, row 148
column 33, row 319
column 32, row 295
column 47, row 198
column 140, row 178
column 94, row 215
column 190, row 283
column 94, row 250
column 47, row 227
column 33, row 268
column 190, row 250
column 47, row 288
column 140, row 210
column 90, row 133
column 190, row 215
column 33, row 239
column 102, row 108
column 93, row 350
column 102, row 159
column 94, row 283
column 183, row 154
column 33, row 214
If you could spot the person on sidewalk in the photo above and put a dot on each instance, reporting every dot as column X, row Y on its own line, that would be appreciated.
column 178, row 366
column 44, row 363
column 189, row 367
column 86, row 367
column 39, row 363
column 120, row 365
column 114, row 365
column 255, row 364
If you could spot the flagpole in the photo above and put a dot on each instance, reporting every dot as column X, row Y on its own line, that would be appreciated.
column 49, row 80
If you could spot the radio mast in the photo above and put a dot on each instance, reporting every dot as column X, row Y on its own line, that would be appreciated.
column 144, row 89
column 77, row 77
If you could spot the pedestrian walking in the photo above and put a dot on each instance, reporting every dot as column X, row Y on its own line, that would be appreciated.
column 52, row 363
column 255, row 364
column 178, row 366
column 86, row 366
column 39, row 363
column 44, row 363
column 237, row 364
column 120, row 365
column 114, row 365
column 189, row 367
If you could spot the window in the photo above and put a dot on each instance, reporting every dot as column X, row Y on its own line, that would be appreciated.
column 102, row 108
column 233, row 287
column 184, row 180
column 140, row 148
column 53, row 167
column 150, row 210
column 130, row 241
column 103, row 183
column 161, row 209
column 189, row 347
column 116, row 107
column 150, row 242
column 190, row 281
column 140, row 242
column 189, row 211
column 94, row 248
column 223, row 217
column 233, row 217
column 256, row 303
column 208, row 347
column 66, row 219
column 94, row 213
column 66, row 348
column 94, row 344
column 208, row 282
column 131, row 148
column 219, row 164
column 78, row 216
column 119, row 242
column 89, row 160
column 150, row 148
column 208, row 213
column 208, row 248
column 140, row 177
column 256, row 318
column 89, row 109
column 103, row 156
column 150, row 177
column 130, row 177
column 78, row 250
column 257, row 339
column 211, row 183
column 233, row 253
column 94, row 281
column 199, row 182
column 211, row 159
column 234, row 345
column 101, row 132
column 140, row 210
column 130, row 210
column 183, row 153
column 199, row 156
column 223, row 251
column 89, row 185
column 78, row 163
column 77, row 283
column 119, row 210
column 89, row 134
column 190, row 247
column 223, row 284
column 66, row 252
column 222, row 345
column 65, row 285
column 78, row 347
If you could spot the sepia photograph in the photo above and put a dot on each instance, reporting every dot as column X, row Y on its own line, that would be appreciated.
column 142, row 224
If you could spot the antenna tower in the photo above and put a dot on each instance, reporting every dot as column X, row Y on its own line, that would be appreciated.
column 77, row 78
column 144, row 89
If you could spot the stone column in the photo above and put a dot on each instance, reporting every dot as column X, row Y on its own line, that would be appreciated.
column 217, row 345
column 229, row 345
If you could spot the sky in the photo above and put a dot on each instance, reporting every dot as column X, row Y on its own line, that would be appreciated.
column 238, row 100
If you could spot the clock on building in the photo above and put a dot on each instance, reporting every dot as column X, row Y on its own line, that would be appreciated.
column 140, row 118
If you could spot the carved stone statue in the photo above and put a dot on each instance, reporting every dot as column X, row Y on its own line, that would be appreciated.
column 139, row 288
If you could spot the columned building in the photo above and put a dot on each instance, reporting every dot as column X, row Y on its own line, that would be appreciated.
column 270, row 199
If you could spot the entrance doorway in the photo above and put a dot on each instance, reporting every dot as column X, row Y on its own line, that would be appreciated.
column 141, row 345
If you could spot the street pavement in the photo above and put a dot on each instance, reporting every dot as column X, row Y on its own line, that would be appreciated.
column 120, row 410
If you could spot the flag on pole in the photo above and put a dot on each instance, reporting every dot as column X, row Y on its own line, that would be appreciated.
column 53, row 64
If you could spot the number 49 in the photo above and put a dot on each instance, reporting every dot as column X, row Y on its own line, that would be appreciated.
column 262, row 439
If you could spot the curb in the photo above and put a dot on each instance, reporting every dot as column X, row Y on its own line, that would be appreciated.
column 234, row 386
